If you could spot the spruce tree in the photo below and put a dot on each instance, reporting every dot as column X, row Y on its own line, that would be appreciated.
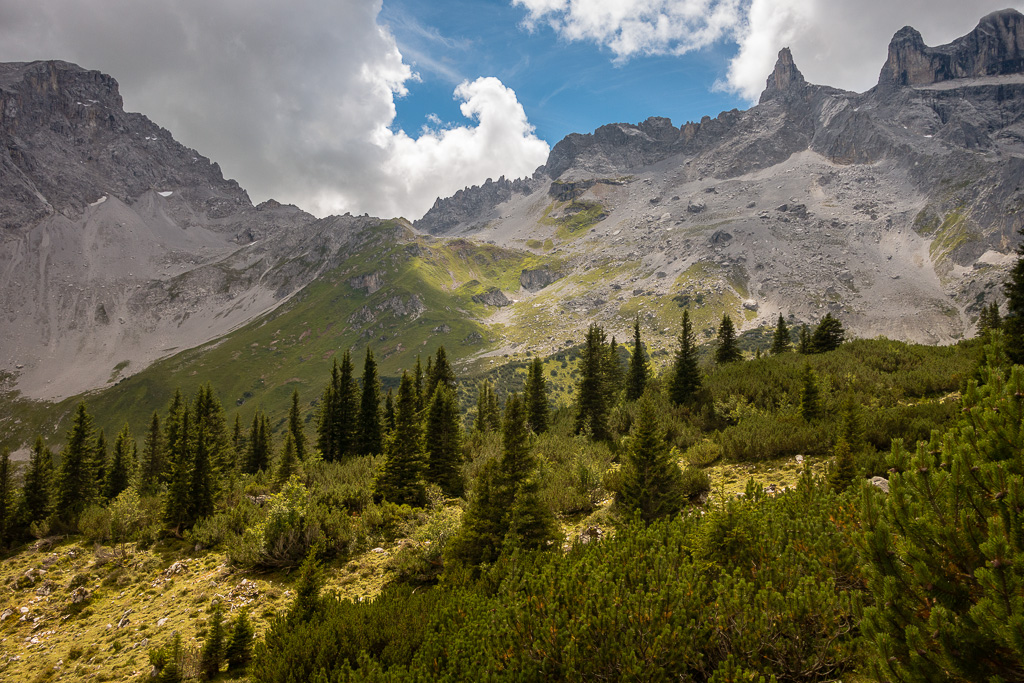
column 339, row 412
column 780, row 340
column 828, row 335
column 212, row 654
column 237, row 443
column 123, row 464
column 638, row 372
column 210, row 451
column 76, row 479
column 295, row 428
column 592, row 392
column 487, row 417
column 389, row 414
column 401, row 479
column 36, row 499
column 287, row 463
column 536, row 396
column 370, row 433
column 1013, row 323
column 652, row 482
column 810, row 399
column 325, row 434
column 172, row 428
column 844, row 467
column 239, row 647
column 258, row 445
column 417, row 378
column 100, row 463
column 440, row 372
column 7, row 508
column 727, row 350
column 686, row 378
column 443, row 442
column 517, row 460
column 180, row 461
column 805, row 345
column 531, row 526
column 614, row 377
column 151, row 467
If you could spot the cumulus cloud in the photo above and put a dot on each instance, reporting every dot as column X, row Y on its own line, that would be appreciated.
column 834, row 42
column 297, row 100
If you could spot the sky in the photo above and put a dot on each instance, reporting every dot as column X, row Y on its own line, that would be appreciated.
column 375, row 107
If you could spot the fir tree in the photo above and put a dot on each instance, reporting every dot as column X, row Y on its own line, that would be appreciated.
column 686, row 379
column 36, row 499
column 780, row 340
column 989, row 319
column 210, row 451
column 100, row 463
column 440, row 372
column 401, row 481
column 295, row 428
column 638, row 372
column 7, row 508
column 287, row 463
column 805, row 346
column 483, row 422
column 237, row 442
column 258, row 446
column 308, row 587
column 239, row 647
column 389, row 413
column 727, row 350
column 531, row 526
column 443, row 442
column 370, row 434
column 652, row 482
column 844, row 467
column 536, row 396
column 592, row 392
column 517, row 460
column 810, row 400
column 212, row 654
column 123, row 464
column 75, row 486
column 172, row 428
column 151, row 468
column 614, row 377
column 339, row 412
column 180, row 459
column 828, row 335
column 417, row 378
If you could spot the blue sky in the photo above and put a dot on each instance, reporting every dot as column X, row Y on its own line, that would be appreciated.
column 564, row 87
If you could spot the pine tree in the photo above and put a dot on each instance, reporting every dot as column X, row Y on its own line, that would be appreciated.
column 727, row 350
column 652, row 482
column 123, row 464
column 638, row 372
column 7, row 508
column 212, row 654
column 295, row 428
column 440, row 372
column 401, row 480
column 370, row 434
column 844, row 467
column 152, row 466
column 810, row 400
column 942, row 552
column 531, row 526
column 780, row 340
column 239, row 648
column 536, row 396
column 828, row 335
column 592, row 392
column 180, row 461
column 805, row 346
column 443, row 442
column 287, row 463
column 686, row 379
column 36, row 499
column 308, row 586
column 259, row 446
column 75, row 486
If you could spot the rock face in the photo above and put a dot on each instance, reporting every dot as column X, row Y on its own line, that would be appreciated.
column 994, row 48
column 492, row 297
column 537, row 279
column 472, row 207
column 785, row 80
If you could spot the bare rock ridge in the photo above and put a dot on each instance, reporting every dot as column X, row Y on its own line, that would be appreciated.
column 994, row 48
column 786, row 78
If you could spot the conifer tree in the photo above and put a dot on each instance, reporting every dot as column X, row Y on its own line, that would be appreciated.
column 36, row 499
column 614, row 377
column 239, row 647
column 638, row 373
column 123, row 464
column 258, row 446
column 7, row 508
column 151, row 465
column 421, row 400
column 295, row 428
column 100, row 463
column 308, row 587
column 531, row 526
column 401, row 479
column 212, row 654
column 237, row 442
column 443, row 442
column 805, row 346
column 1013, row 323
column 727, row 350
column 592, row 392
column 287, row 463
column 389, row 414
column 488, row 419
column 339, row 413
column 172, row 427
column 686, row 379
column 810, row 400
column 180, row 461
column 440, row 372
column 325, row 434
column 536, row 396
column 370, row 434
column 210, row 451
column 76, row 479
column 989, row 319
column 780, row 340
column 652, row 482
column 828, row 335
column 844, row 467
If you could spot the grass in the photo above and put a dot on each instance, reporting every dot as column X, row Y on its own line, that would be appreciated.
column 572, row 219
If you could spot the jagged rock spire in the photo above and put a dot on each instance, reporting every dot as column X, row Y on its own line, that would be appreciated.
column 786, row 78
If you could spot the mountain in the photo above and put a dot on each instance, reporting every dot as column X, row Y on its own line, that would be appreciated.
column 128, row 259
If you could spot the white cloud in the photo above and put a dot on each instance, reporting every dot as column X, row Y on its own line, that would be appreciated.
column 834, row 42
column 294, row 100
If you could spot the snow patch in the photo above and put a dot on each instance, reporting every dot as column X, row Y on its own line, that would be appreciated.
column 165, row 194
column 99, row 201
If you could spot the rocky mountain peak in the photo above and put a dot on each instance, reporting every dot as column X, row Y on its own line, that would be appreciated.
column 994, row 48
column 786, row 78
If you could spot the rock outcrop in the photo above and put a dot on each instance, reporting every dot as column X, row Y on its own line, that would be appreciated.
column 472, row 207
